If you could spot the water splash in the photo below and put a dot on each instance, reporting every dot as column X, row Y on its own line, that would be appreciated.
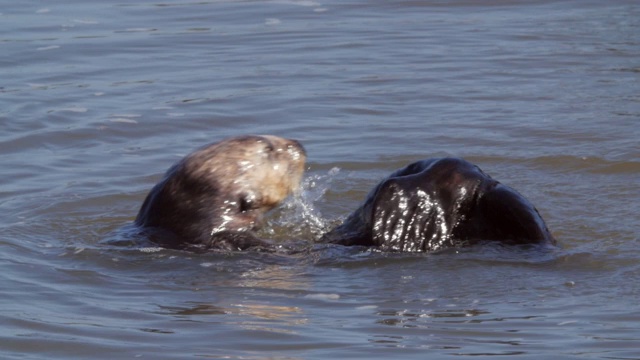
column 298, row 217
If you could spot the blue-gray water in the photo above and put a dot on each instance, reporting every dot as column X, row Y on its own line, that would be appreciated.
column 99, row 98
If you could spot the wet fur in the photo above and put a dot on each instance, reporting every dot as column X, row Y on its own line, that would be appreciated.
column 441, row 203
column 216, row 196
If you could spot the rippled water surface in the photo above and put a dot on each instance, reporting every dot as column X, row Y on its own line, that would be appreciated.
column 99, row 98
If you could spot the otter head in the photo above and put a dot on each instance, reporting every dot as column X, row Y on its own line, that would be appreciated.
column 222, row 190
column 435, row 204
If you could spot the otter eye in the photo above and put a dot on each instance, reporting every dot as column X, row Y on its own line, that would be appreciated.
column 246, row 204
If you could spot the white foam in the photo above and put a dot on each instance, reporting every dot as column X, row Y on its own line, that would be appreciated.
column 298, row 216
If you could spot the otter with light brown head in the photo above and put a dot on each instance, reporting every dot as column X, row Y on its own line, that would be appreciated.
column 216, row 197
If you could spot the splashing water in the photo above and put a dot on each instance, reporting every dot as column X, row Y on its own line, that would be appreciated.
column 297, row 217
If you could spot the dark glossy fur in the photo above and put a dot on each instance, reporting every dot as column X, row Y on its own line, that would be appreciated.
column 441, row 203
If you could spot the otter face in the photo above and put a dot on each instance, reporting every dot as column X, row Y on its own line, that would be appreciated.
column 252, row 174
column 224, row 187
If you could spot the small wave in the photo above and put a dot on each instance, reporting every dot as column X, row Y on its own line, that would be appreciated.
column 323, row 296
column 566, row 163
column 272, row 21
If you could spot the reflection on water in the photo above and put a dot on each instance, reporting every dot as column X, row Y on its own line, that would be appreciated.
column 285, row 314
column 409, row 319
column 274, row 277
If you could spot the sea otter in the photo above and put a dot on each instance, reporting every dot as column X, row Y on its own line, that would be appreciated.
column 215, row 197
column 442, row 203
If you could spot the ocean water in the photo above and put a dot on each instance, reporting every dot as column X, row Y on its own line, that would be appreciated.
column 99, row 98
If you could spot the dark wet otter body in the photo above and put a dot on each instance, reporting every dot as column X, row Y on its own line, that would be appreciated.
column 216, row 196
column 440, row 203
